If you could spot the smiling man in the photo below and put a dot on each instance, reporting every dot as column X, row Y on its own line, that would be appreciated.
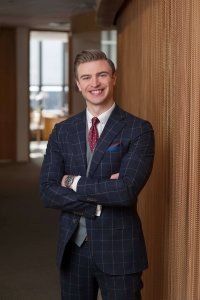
column 95, row 166
column 96, row 80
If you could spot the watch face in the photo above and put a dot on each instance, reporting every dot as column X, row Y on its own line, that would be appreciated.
column 69, row 180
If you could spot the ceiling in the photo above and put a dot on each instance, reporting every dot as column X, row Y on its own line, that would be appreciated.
column 42, row 14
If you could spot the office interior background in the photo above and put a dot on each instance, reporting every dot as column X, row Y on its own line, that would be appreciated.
column 156, row 47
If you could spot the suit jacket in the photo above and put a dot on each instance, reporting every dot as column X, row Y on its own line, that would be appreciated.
column 126, row 145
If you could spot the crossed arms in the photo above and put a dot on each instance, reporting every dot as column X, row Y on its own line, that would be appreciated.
column 135, row 169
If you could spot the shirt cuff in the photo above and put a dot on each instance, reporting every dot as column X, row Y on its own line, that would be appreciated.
column 98, row 210
column 75, row 182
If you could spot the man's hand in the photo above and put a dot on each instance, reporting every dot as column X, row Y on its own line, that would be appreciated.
column 114, row 176
column 63, row 180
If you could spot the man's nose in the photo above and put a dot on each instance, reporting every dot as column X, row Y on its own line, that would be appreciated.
column 95, row 81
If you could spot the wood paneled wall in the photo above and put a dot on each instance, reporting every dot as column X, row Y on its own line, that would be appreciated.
column 159, row 80
column 7, row 94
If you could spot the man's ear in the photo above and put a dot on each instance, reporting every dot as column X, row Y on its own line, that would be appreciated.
column 78, row 85
column 114, row 79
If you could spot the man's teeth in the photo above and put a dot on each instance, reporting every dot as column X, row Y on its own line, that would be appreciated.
column 96, row 92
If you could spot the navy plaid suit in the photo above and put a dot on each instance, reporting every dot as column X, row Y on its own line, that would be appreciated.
column 126, row 145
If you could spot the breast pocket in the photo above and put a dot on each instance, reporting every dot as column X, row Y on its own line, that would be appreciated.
column 110, row 163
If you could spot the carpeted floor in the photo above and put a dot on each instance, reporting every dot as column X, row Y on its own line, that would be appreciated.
column 28, row 234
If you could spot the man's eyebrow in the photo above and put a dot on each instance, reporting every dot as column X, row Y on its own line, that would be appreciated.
column 84, row 75
column 99, row 73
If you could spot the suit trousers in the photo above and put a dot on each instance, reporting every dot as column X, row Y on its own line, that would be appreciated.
column 81, row 278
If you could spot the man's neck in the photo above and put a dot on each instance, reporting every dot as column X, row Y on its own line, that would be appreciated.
column 96, row 110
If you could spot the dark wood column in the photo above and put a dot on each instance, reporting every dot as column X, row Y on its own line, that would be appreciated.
column 7, row 94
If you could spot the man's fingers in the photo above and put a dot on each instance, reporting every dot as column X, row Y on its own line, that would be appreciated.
column 63, row 181
column 114, row 176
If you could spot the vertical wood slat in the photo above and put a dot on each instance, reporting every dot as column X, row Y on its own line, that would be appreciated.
column 8, row 94
column 159, row 75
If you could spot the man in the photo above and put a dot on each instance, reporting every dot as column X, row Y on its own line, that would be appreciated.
column 95, row 166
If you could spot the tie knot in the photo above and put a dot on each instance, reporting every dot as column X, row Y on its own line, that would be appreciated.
column 95, row 121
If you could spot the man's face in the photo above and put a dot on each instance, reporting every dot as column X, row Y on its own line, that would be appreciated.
column 96, row 82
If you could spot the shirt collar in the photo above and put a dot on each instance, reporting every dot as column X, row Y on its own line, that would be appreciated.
column 103, row 118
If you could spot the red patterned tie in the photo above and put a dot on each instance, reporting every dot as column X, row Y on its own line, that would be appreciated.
column 93, row 133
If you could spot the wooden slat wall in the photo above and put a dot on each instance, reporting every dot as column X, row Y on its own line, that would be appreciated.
column 159, row 80
column 7, row 94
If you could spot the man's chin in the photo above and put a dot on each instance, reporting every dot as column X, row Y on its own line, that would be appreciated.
column 96, row 101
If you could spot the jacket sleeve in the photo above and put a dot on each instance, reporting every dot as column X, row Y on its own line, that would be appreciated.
column 52, row 193
column 135, row 169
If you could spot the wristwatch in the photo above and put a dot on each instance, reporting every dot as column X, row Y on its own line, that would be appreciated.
column 69, row 180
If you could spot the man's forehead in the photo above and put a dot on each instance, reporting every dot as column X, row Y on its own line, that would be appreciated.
column 96, row 65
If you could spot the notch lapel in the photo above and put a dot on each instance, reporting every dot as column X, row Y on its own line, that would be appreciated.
column 79, row 138
column 113, row 126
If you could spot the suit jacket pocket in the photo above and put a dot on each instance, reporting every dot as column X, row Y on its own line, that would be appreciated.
column 115, row 147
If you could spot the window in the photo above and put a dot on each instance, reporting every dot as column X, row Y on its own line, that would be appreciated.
column 48, row 87
column 109, row 44
column 49, row 72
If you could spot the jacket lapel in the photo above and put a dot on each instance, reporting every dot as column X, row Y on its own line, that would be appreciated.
column 113, row 126
column 79, row 138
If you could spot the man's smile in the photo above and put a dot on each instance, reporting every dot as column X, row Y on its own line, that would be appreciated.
column 96, row 92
